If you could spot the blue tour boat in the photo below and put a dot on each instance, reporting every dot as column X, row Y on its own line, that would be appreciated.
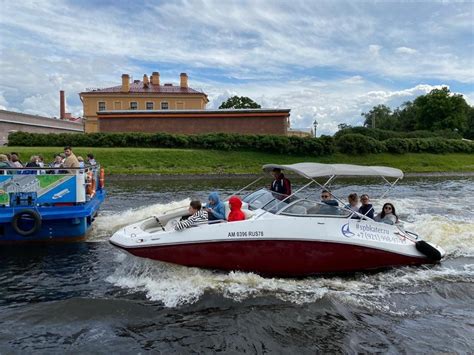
column 49, row 205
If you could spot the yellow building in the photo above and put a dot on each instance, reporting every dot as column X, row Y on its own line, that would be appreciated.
column 146, row 94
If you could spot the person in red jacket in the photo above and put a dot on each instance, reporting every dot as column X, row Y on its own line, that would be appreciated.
column 236, row 213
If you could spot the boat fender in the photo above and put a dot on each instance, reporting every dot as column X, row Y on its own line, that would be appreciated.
column 31, row 214
column 90, row 189
column 102, row 178
column 430, row 251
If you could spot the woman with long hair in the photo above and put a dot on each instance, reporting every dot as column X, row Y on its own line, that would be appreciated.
column 388, row 214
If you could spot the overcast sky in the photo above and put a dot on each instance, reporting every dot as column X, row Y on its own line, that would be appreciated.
column 325, row 60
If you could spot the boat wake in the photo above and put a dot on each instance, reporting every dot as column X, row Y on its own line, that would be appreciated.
column 106, row 224
column 175, row 285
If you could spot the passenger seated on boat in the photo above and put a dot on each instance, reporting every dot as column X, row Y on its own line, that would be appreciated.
column 387, row 215
column 353, row 204
column 215, row 208
column 15, row 161
column 56, row 164
column 198, row 216
column 326, row 197
column 33, row 163
column 244, row 208
column 366, row 209
column 236, row 214
column 3, row 163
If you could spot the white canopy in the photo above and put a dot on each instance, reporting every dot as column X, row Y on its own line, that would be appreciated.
column 313, row 170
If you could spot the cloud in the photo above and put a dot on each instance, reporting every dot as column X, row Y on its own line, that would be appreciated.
column 405, row 50
column 324, row 60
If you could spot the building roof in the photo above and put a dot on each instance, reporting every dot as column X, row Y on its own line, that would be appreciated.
column 205, row 111
column 137, row 87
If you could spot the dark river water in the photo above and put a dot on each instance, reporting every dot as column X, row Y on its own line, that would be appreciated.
column 92, row 298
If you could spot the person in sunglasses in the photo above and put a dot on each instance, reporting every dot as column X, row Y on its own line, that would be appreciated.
column 326, row 197
column 388, row 214
column 366, row 208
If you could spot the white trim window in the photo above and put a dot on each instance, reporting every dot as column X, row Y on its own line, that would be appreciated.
column 164, row 106
column 149, row 105
column 101, row 106
column 133, row 105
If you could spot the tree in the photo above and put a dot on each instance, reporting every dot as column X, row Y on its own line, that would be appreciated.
column 440, row 109
column 239, row 102
column 378, row 117
column 342, row 126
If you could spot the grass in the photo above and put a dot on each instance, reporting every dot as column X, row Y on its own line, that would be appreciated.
column 194, row 161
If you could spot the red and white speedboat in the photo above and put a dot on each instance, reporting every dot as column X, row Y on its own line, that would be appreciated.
column 292, row 236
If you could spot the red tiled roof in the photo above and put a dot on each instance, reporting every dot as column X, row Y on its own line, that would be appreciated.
column 138, row 88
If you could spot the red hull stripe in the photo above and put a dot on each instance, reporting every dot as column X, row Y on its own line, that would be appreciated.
column 282, row 258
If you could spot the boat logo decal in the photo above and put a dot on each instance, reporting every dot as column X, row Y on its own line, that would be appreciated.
column 346, row 231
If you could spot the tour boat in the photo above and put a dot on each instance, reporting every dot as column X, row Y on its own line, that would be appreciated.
column 285, row 235
column 49, row 205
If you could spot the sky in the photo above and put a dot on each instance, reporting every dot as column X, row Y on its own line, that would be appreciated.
column 327, row 61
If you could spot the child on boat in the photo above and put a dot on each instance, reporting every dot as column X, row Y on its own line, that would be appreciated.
column 198, row 216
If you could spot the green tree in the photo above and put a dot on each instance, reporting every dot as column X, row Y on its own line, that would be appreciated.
column 405, row 117
column 470, row 124
column 440, row 109
column 342, row 126
column 378, row 117
column 239, row 102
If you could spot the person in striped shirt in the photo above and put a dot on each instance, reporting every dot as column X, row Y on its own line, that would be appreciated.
column 198, row 216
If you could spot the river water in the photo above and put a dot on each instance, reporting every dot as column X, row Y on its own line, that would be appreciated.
column 92, row 298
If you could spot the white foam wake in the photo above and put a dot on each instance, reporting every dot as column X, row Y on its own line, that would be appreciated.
column 106, row 224
column 175, row 285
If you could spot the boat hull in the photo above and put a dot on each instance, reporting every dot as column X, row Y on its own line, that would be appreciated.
column 58, row 223
column 277, row 257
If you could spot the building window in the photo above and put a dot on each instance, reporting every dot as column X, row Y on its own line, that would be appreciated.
column 149, row 105
column 102, row 106
column 133, row 105
column 164, row 105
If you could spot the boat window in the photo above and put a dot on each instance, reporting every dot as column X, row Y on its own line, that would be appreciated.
column 259, row 199
column 312, row 208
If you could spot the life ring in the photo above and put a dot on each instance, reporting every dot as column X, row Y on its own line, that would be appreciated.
column 31, row 214
column 90, row 188
column 102, row 178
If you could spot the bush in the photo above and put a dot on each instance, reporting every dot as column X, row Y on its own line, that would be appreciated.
column 218, row 141
column 359, row 144
column 382, row 135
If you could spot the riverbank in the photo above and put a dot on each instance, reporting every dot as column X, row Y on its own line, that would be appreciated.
column 159, row 162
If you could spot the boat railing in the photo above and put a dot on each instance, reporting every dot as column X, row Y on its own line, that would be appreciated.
column 49, row 186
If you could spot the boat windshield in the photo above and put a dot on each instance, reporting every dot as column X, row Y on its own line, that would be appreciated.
column 273, row 202
column 265, row 199
column 307, row 207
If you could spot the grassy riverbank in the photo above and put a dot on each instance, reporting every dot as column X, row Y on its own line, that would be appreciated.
column 193, row 161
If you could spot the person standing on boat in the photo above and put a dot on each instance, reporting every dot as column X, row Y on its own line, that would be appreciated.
column 215, row 208
column 71, row 160
column 281, row 184
column 366, row 209
column 198, row 216
column 388, row 214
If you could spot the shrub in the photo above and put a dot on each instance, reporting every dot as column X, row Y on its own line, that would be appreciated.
column 359, row 144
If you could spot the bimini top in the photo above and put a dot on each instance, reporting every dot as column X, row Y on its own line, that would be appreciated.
column 313, row 170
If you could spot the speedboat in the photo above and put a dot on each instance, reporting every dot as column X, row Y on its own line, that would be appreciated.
column 285, row 235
